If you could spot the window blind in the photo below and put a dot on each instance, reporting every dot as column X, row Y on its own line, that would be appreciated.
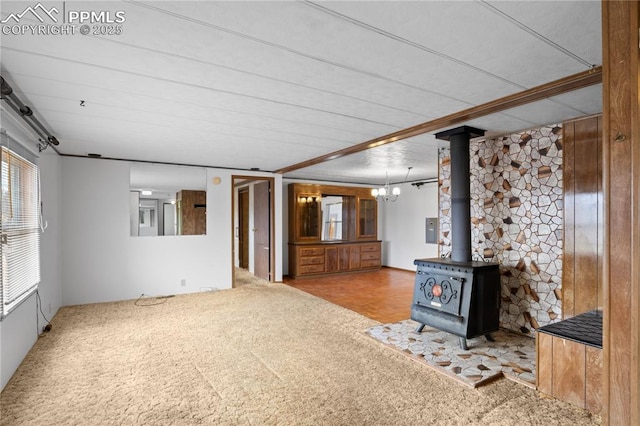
column 19, row 229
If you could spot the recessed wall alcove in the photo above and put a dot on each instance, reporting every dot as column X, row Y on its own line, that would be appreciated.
column 517, row 218
column 537, row 209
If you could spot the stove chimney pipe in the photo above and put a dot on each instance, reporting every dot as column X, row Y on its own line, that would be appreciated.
column 460, row 190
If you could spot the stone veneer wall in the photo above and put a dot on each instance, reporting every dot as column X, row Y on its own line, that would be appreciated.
column 516, row 215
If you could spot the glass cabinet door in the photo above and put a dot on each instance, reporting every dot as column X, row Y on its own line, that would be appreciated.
column 367, row 218
column 308, row 216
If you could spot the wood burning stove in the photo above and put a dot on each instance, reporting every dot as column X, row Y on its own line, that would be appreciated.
column 462, row 298
column 458, row 295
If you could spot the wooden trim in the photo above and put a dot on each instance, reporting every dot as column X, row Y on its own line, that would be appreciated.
column 233, row 235
column 313, row 188
column 395, row 268
column 634, row 69
column 544, row 91
column 600, row 221
column 568, row 179
column 621, row 266
column 247, row 182
column 544, row 360
column 272, row 231
column 593, row 379
column 605, row 189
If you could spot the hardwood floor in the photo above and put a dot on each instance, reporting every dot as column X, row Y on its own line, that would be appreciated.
column 383, row 295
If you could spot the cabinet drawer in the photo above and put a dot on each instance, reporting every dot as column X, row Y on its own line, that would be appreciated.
column 312, row 260
column 370, row 255
column 312, row 251
column 370, row 247
column 311, row 269
column 373, row 263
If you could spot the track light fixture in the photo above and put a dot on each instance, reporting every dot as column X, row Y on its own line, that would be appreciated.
column 5, row 89
column 51, row 140
column 424, row 182
column 45, row 138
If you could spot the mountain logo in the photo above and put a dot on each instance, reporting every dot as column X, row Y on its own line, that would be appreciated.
column 38, row 11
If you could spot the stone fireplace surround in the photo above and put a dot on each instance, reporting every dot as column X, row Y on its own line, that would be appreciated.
column 516, row 220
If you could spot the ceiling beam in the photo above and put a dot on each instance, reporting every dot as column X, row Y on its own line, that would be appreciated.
column 567, row 84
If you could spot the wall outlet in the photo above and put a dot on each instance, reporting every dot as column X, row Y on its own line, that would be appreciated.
column 183, row 282
column 49, row 307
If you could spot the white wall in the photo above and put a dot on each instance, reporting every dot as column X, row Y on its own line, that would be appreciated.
column 50, row 287
column 19, row 330
column 18, row 333
column 103, row 263
column 403, row 226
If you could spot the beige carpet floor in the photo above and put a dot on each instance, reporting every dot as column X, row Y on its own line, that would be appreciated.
column 244, row 277
column 254, row 355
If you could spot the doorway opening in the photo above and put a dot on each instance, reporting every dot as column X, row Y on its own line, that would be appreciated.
column 253, row 239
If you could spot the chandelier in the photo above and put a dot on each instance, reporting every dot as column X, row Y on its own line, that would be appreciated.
column 386, row 193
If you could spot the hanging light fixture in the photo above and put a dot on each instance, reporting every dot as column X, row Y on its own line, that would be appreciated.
column 386, row 193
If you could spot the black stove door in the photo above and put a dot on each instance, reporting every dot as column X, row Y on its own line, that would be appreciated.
column 440, row 292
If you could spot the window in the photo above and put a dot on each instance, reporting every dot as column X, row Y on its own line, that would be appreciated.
column 19, row 229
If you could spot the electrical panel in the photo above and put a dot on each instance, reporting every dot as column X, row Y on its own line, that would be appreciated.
column 431, row 230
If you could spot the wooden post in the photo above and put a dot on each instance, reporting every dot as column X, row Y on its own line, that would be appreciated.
column 621, row 152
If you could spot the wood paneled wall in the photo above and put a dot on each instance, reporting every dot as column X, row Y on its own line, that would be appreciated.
column 583, row 216
column 621, row 150
column 570, row 371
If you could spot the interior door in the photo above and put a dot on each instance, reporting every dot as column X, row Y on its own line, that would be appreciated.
column 243, row 228
column 261, row 237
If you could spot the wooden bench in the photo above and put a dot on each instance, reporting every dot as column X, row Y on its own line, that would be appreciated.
column 569, row 360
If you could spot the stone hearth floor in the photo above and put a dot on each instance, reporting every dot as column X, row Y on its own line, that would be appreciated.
column 511, row 355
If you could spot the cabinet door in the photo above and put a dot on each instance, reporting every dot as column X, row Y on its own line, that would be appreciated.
column 367, row 224
column 331, row 259
column 344, row 258
column 354, row 256
column 308, row 217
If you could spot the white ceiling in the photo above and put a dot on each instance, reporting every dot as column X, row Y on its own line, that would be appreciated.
column 270, row 84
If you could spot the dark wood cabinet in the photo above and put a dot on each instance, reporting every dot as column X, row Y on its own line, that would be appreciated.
column 332, row 258
column 332, row 229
